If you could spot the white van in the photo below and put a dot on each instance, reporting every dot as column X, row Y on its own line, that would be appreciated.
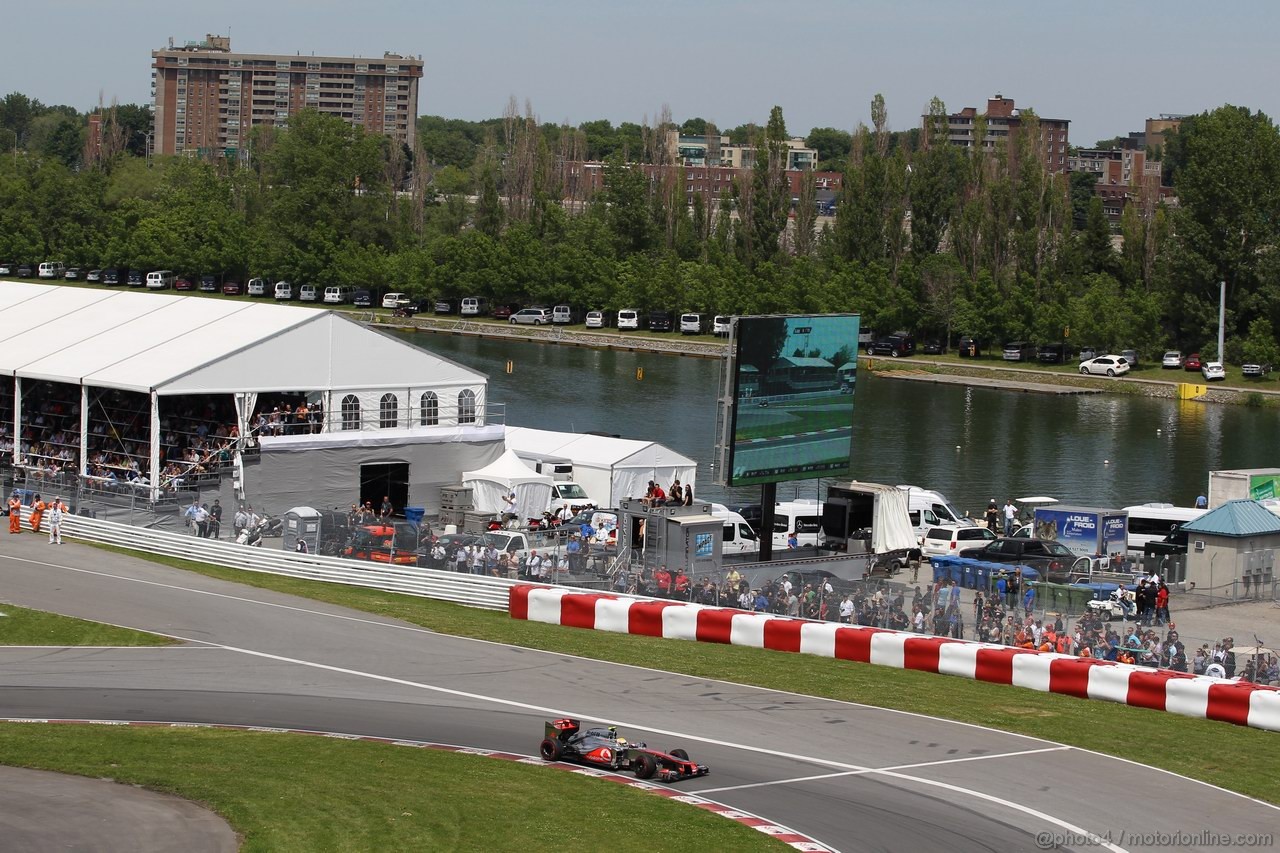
column 690, row 324
column 928, row 508
column 283, row 291
column 52, row 269
column 256, row 287
column 739, row 536
column 566, row 493
column 564, row 315
column 160, row 280
column 720, row 325
column 395, row 300
column 308, row 293
column 338, row 295
column 628, row 318
column 473, row 306
column 804, row 516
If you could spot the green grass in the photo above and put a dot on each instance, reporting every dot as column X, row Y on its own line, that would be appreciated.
column 1234, row 757
column 297, row 792
column 23, row 627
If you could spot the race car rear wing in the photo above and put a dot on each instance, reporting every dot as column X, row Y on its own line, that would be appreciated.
column 562, row 728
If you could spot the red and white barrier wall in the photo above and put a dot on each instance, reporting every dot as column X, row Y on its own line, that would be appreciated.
column 1164, row 690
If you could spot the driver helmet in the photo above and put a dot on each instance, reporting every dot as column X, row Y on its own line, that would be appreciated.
column 622, row 741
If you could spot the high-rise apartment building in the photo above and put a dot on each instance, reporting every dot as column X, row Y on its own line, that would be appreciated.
column 1003, row 122
column 205, row 98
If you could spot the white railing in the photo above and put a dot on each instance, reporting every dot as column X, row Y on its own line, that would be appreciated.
column 481, row 591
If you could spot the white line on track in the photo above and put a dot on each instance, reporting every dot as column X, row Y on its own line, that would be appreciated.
column 874, row 770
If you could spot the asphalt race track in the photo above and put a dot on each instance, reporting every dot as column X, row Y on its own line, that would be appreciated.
column 853, row 777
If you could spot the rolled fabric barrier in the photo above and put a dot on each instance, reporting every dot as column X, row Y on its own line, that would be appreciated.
column 1235, row 702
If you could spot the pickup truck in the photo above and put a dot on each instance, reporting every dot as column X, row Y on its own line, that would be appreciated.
column 1173, row 544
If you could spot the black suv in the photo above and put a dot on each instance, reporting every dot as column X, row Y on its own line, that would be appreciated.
column 661, row 321
column 1174, row 543
column 894, row 345
column 1053, row 353
column 1051, row 559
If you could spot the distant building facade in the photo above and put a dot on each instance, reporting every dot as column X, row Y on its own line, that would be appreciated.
column 1120, row 173
column 715, row 150
column 206, row 99
column 1003, row 124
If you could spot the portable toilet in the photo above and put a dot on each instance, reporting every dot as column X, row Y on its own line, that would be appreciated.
column 302, row 523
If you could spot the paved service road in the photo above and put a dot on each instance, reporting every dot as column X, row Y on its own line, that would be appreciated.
column 49, row 811
column 854, row 777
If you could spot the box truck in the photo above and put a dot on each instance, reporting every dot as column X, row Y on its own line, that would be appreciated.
column 1086, row 531
column 1257, row 484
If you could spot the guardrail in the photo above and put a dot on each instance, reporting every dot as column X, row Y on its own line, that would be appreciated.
column 481, row 591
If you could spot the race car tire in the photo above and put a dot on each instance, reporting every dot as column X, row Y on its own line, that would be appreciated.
column 680, row 754
column 645, row 766
column 551, row 750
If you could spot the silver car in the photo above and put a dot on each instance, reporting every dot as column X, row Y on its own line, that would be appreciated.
column 531, row 316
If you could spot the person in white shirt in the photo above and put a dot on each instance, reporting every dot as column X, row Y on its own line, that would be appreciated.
column 1010, row 516
column 56, row 512
column 846, row 609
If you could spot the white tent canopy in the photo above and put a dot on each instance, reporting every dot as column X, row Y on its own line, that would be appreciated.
column 609, row 469
column 503, row 476
column 190, row 345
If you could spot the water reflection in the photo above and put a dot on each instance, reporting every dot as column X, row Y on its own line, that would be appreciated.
column 1103, row 449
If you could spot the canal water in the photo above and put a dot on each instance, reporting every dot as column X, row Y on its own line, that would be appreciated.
column 972, row 444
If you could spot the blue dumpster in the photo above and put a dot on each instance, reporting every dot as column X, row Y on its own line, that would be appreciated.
column 982, row 576
column 942, row 567
column 414, row 514
column 969, row 575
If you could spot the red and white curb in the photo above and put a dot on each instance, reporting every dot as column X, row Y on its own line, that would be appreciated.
column 786, row 835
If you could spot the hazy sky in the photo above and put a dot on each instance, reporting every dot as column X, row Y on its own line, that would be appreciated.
column 1106, row 66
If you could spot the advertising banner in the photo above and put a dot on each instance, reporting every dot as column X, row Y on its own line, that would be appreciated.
column 1115, row 533
column 1077, row 529
column 1264, row 487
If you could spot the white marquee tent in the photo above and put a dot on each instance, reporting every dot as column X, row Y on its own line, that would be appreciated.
column 505, row 475
column 609, row 469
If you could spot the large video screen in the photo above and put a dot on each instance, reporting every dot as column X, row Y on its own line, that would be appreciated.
column 792, row 399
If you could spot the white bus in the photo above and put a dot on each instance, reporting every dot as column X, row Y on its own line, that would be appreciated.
column 1153, row 521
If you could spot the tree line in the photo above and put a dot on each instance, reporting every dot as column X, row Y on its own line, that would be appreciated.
column 925, row 235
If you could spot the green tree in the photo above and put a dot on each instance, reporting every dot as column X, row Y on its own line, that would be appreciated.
column 1095, row 241
column 489, row 212
column 1261, row 347
column 832, row 145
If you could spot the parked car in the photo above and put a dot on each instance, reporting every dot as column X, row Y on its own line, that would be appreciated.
column 661, row 321
column 1110, row 365
column 1053, row 353
column 899, row 343
column 1087, row 353
column 935, row 347
column 1131, row 356
column 362, row 299
column 1192, row 363
column 1172, row 360
column 338, row 294
column 72, row 274
column 183, row 284
column 52, row 269
column 257, row 287
column 1020, row 351
column 231, row 288
column 1051, row 559
column 947, row 540
column 25, row 271
column 309, row 293
column 8, row 268
column 111, row 276
column 504, row 312
column 720, row 325
column 628, row 318
column 599, row 319
column 1255, row 370
column 93, row 275
column 474, row 306
column 530, row 317
column 208, row 284
column 395, row 300
column 1213, row 371
column 445, row 306
column 970, row 347
column 564, row 315
column 134, row 279
column 283, row 291
column 690, row 324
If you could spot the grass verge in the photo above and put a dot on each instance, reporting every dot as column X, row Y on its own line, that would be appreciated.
column 23, row 627
column 1233, row 757
column 298, row 792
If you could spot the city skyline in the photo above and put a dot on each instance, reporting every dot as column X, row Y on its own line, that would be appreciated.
column 1105, row 67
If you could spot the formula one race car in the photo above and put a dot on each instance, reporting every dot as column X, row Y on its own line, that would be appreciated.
column 566, row 741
